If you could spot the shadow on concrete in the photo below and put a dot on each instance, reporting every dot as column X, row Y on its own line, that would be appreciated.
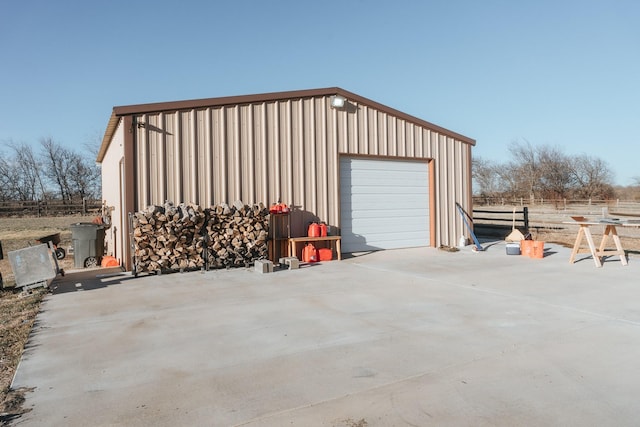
column 89, row 279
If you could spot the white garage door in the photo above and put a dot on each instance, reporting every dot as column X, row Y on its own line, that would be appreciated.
column 384, row 204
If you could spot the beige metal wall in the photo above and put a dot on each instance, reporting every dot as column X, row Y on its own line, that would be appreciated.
column 112, row 188
column 287, row 150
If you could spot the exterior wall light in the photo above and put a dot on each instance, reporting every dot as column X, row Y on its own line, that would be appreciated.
column 338, row 101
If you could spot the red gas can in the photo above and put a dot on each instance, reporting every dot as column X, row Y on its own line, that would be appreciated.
column 313, row 230
column 309, row 253
column 325, row 254
column 323, row 229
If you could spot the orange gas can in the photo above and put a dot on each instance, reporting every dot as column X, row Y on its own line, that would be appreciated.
column 309, row 253
column 313, row 230
column 323, row 229
column 325, row 254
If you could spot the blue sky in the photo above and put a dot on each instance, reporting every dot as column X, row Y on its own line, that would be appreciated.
column 558, row 73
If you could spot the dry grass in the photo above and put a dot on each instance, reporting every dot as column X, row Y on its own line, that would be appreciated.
column 17, row 315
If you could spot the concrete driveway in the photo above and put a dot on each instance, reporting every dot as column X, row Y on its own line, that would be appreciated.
column 416, row 337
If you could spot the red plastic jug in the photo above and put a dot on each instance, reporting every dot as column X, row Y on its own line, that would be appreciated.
column 313, row 230
column 309, row 253
column 323, row 229
column 325, row 254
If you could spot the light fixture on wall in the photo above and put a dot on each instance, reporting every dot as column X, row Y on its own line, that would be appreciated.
column 338, row 101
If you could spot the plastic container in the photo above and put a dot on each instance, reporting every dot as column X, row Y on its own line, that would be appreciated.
column 323, row 229
column 309, row 253
column 513, row 249
column 88, row 244
column 109, row 261
column 537, row 249
column 526, row 247
column 313, row 230
column 325, row 254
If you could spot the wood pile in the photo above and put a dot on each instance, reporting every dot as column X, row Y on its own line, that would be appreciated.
column 187, row 237
column 236, row 235
column 168, row 238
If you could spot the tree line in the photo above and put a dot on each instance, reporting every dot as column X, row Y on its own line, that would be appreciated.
column 535, row 172
column 48, row 172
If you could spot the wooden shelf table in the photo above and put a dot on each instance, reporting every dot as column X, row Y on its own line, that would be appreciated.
column 333, row 240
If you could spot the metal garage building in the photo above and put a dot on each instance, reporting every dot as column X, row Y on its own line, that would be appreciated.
column 383, row 178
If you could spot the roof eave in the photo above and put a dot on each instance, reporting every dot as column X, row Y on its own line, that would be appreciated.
column 108, row 135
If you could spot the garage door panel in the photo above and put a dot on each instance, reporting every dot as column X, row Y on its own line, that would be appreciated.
column 385, row 174
column 374, row 164
column 416, row 227
column 382, row 191
column 373, row 179
column 423, row 214
column 384, row 204
column 379, row 241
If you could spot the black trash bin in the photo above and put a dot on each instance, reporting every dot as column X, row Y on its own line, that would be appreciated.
column 88, row 244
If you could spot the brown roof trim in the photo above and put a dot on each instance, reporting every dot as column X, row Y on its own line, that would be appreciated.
column 263, row 97
column 226, row 100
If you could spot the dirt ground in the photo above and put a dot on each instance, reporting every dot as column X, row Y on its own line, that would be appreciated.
column 18, row 313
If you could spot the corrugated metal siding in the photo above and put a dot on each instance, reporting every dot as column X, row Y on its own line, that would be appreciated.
column 287, row 150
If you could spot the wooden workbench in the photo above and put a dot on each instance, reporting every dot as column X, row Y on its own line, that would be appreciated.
column 333, row 240
column 600, row 252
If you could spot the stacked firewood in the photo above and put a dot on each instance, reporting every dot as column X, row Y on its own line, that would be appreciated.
column 168, row 237
column 187, row 237
column 236, row 235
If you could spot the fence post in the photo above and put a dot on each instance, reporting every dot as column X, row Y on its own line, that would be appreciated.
column 84, row 205
column 525, row 212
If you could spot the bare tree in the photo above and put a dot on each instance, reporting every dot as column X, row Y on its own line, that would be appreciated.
column 546, row 171
column 556, row 178
column 485, row 176
column 75, row 176
column 592, row 176
column 524, row 165
column 6, row 178
column 83, row 177
column 27, row 177
column 56, row 159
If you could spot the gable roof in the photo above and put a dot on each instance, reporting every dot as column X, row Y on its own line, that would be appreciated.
column 256, row 98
